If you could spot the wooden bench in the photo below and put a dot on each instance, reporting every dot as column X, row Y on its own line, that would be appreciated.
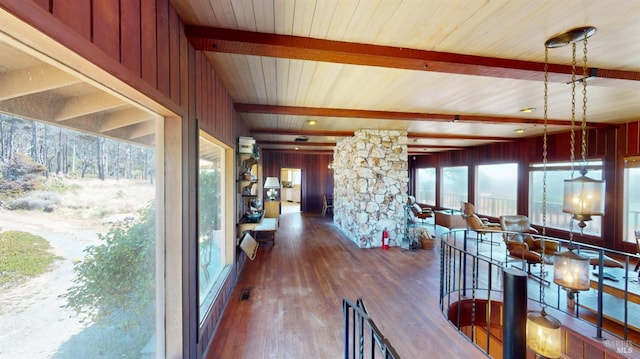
column 266, row 229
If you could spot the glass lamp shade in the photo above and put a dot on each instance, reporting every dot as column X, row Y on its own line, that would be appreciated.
column 571, row 270
column 583, row 197
column 544, row 334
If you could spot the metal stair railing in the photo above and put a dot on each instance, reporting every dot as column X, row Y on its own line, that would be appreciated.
column 468, row 273
column 361, row 335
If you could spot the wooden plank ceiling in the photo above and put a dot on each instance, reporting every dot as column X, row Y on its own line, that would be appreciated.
column 453, row 73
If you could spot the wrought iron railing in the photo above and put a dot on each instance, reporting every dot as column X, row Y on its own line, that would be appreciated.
column 362, row 338
column 471, row 280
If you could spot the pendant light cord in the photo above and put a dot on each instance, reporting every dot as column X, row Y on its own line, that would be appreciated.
column 544, row 166
column 584, row 106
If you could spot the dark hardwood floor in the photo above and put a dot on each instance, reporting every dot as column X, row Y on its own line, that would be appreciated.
column 296, row 288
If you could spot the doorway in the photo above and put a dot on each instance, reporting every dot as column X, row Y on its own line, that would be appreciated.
column 291, row 194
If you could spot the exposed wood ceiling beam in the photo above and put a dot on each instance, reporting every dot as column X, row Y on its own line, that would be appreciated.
column 304, row 151
column 332, row 144
column 303, row 48
column 437, row 147
column 87, row 104
column 148, row 140
column 124, row 118
column 446, row 136
column 396, row 115
column 296, row 143
column 278, row 131
column 39, row 109
column 410, row 152
column 139, row 130
column 30, row 107
column 88, row 124
column 139, row 133
column 32, row 80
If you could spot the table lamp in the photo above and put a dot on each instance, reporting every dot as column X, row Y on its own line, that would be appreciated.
column 272, row 185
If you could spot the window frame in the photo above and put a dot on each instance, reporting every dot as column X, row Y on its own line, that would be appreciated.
column 208, row 300
column 594, row 227
column 628, row 235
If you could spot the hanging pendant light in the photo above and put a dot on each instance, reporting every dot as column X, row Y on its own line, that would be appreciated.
column 571, row 271
column 544, row 335
column 583, row 196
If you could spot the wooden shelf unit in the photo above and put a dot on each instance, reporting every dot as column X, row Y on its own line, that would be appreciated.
column 247, row 178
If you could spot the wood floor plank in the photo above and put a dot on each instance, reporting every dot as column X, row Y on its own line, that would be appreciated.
column 297, row 286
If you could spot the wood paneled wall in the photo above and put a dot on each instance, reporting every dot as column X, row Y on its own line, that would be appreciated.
column 318, row 180
column 629, row 139
column 142, row 43
column 214, row 107
column 145, row 37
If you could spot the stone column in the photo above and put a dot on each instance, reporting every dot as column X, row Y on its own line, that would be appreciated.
column 370, row 186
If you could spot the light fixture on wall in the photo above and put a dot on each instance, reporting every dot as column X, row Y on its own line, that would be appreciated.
column 272, row 185
column 583, row 197
column 543, row 331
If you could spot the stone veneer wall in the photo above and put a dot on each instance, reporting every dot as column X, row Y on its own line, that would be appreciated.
column 370, row 186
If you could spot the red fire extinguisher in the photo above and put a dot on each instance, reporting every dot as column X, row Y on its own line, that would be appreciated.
column 385, row 239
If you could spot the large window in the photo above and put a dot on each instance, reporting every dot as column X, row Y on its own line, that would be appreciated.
column 426, row 186
column 497, row 189
column 556, row 174
column 631, row 198
column 78, row 243
column 213, row 259
column 455, row 188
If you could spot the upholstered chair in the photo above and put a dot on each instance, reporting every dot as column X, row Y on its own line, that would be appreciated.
column 477, row 224
column 521, row 245
column 418, row 211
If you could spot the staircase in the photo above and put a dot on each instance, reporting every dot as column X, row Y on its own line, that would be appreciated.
column 362, row 337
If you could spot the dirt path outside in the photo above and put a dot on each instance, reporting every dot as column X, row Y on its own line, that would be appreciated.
column 33, row 322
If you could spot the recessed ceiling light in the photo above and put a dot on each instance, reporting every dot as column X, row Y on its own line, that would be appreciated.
column 519, row 130
column 312, row 122
column 297, row 148
column 527, row 109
